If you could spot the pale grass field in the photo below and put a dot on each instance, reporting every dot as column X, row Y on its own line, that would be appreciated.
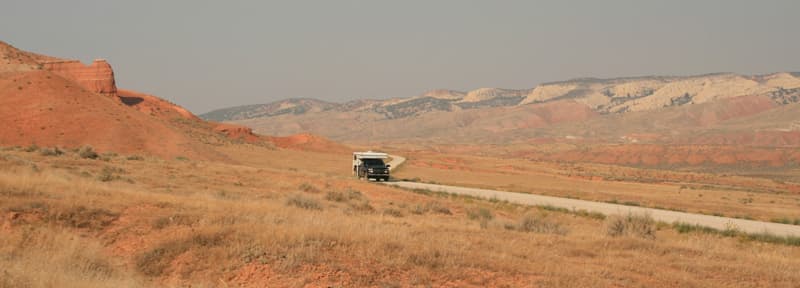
column 182, row 222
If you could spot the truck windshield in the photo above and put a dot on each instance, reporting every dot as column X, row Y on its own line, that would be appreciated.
column 373, row 162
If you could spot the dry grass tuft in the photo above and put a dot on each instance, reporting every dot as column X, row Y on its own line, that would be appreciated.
column 432, row 206
column 52, row 257
column 87, row 152
column 344, row 196
column 632, row 225
column 55, row 151
column 538, row 223
column 394, row 212
column 304, row 202
column 308, row 188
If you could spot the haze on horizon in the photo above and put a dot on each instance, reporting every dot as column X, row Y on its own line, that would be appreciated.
column 206, row 55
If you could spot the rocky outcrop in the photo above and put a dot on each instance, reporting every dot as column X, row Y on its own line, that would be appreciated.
column 97, row 77
column 234, row 131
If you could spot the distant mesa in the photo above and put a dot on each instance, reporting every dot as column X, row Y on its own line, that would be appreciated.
column 605, row 96
column 702, row 109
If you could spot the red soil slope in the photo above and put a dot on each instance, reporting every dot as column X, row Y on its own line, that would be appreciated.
column 309, row 142
column 43, row 108
column 154, row 106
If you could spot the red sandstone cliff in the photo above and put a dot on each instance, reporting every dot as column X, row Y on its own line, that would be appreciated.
column 97, row 77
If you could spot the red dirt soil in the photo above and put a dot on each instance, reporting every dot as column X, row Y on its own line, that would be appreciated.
column 308, row 142
column 154, row 106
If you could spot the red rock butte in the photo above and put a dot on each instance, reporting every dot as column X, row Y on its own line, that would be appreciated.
column 97, row 77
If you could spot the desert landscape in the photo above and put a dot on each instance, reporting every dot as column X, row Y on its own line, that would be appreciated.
column 399, row 144
column 103, row 186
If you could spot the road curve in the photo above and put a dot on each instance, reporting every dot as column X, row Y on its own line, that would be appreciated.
column 721, row 223
column 396, row 161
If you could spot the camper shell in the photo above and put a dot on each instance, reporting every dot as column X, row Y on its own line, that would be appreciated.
column 370, row 164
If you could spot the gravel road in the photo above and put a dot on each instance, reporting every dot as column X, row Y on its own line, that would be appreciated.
column 721, row 223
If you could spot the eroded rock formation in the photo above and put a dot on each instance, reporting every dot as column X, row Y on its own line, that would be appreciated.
column 97, row 77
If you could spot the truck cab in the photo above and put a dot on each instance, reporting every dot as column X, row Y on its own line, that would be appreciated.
column 370, row 164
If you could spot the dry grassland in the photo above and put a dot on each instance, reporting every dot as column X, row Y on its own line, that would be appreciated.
column 296, row 219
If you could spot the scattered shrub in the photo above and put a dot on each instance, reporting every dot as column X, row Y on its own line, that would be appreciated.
column 86, row 218
column 31, row 148
column 343, row 196
column 306, row 187
column 51, row 152
column 362, row 206
column 539, row 224
column 632, row 225
column 480, row 214
column 434, row 207
column 87, row 152
column 178, row 219
column 303, row 202
column 135, row 158
column 109, row 174
column 392, row 212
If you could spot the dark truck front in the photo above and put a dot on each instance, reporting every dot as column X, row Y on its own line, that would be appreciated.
column 376, row 169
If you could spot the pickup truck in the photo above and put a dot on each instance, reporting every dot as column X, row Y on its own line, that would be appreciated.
column 370, row 164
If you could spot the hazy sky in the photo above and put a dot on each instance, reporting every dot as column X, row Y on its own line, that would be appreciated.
column 213, row 54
